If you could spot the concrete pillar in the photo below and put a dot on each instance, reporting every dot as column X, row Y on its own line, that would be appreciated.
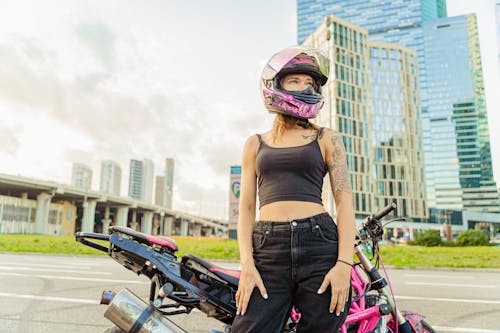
column 184, row 227
column 42, row 213
column 133, row 224
column 88, row 218
column 121, row 216
column 197, row 230
column 167, row 225
column 106, row 221
column 147, row 223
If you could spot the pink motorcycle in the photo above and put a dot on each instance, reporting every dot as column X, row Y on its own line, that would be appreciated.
column 192, row 282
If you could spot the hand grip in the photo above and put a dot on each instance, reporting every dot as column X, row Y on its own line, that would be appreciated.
column 386, row 210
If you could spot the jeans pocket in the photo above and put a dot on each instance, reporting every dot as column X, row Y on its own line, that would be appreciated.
column 259, row 239
column 328, row 234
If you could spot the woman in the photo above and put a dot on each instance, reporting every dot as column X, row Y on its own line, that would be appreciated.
column 297, row 255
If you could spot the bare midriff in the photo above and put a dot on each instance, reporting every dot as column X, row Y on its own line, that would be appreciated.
column 289, row 210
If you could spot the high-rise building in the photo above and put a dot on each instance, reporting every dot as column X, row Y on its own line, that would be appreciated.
column 159, row 190
column 374, row 88
column 81, row 176
column 148, row 180
column 111, row 177
column 459, row 171
column 141, row 180
column 135, row 181
column 396, row 129
column 169, row 183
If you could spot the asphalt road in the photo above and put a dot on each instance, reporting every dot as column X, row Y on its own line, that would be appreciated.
column 49, row 293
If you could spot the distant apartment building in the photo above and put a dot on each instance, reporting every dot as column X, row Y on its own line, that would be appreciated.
column 169, row 183
column 148, row 180
column 81, row 176
column 159, row 190
column 372, row 99
column 141, row 179
column 111, row 175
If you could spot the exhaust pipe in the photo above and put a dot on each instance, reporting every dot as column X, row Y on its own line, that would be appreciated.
column 133, row 315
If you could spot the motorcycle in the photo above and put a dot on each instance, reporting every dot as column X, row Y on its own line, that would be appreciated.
column 192, row 282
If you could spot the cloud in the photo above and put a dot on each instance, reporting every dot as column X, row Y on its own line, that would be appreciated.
column 99, row 38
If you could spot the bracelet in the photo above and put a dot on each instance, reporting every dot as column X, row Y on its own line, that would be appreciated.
column 345, row 262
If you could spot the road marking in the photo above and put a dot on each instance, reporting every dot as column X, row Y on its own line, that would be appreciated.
column 463, row 329
column 461, row 285
column 74, row 278
column 441, row 276
column 51, row 298
column 15, row 264
column 438, row 299
column 10, row 268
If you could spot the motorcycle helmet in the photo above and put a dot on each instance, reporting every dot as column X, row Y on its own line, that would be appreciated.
column 303, row 104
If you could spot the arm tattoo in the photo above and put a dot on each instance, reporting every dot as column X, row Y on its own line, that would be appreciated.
column 337, row 167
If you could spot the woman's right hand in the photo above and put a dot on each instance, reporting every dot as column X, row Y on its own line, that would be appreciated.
column 249, row 279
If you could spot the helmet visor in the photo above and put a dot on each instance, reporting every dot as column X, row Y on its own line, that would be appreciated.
column 280, row 59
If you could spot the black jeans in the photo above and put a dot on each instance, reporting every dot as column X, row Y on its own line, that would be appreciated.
column 292, row 259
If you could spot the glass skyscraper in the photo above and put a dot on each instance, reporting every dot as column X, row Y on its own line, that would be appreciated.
column 458, row 157
column 406, row 22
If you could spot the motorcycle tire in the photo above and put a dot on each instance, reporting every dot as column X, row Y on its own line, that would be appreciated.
column 113, row 329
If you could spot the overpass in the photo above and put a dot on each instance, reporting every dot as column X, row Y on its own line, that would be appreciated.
column 96, row 211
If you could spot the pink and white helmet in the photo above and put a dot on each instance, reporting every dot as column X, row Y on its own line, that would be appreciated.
column 295, row 60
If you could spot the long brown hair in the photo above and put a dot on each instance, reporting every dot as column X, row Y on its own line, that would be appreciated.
column 283, row 122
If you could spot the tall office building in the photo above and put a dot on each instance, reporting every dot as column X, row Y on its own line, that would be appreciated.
column 111, row 177
column 406, row 22
column 141, row 179
column 396, row 129
column 169, row 183
column 456, row 136
column 159, row 190
column 346, row 44
column 135, row 185
column 81, row 176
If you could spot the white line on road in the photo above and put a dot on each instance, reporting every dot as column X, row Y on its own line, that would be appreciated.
column 438, row 299
column 441, row 276
column 51, row 298
column 73, row 278
column 463, row 329
column 10, row 268
column 461, row 285
column 25, row 264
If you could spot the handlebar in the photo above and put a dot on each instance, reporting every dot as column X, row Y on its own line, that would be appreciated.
column 371, row 227
column 386, row 210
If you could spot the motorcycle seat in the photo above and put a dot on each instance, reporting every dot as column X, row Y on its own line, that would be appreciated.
column 229, row 275
column 143, row 238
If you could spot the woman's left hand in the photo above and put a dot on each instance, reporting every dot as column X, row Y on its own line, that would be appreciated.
column 339, row 280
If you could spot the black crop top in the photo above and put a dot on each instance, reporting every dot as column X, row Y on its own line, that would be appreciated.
column 291, row 173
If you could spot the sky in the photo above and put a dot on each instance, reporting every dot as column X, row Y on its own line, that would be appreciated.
column 84, row 81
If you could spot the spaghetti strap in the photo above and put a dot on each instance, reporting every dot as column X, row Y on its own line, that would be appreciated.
column 260, row 138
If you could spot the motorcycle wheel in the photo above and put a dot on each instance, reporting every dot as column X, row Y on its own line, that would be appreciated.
column 113, row 330
column 427, row 327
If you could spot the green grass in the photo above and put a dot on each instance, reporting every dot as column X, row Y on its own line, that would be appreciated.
column 398, row 256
